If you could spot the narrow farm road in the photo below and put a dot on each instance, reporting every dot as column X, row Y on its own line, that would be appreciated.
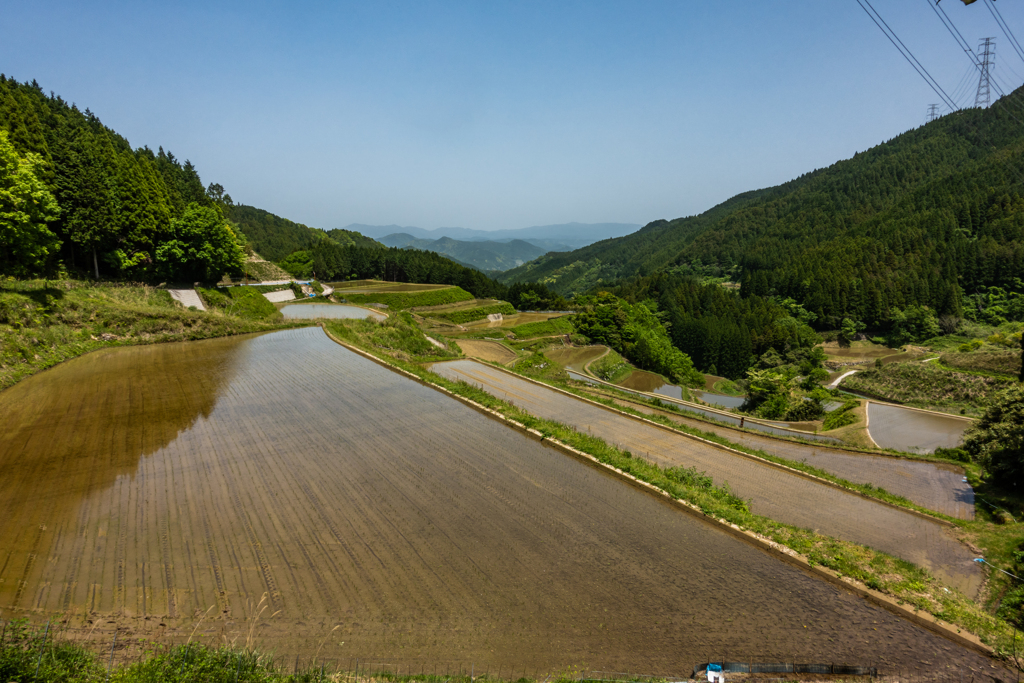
column 936, row 486
column 773, row 492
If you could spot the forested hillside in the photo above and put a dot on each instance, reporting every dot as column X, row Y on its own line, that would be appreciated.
column 275, row 237
column 934, row 217
column 78, row 196
column 485, row 255
column 334, row 261
column 81, row 197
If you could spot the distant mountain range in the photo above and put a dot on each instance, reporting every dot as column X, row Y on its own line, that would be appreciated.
column 561, row 237
column 483, row 255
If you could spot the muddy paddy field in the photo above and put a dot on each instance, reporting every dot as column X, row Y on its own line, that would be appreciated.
column 146, row 486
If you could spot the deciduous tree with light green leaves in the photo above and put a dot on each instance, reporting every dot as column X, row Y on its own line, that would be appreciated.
column 25, row 207
column 201, row 247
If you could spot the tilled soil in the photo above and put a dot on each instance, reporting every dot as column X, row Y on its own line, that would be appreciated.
column 773, row 492
column 487, row 350
column 142, row 486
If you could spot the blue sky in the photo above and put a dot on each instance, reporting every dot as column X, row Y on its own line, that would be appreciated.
column 498, row 114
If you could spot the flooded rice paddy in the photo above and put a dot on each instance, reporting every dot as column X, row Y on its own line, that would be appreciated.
column 773, row 492
column 913, row 431
column 145, row 485
column 936, row 486
column 714, row 414
column 641, row 380
column 315, row 311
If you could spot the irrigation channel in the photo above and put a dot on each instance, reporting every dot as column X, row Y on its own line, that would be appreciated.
column 144, row 485
column 773, row 492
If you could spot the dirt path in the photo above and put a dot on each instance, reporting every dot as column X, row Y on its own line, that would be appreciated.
column 936, row 486
column 773, row 492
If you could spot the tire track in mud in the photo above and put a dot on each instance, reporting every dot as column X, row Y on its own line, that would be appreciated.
column 75, row 560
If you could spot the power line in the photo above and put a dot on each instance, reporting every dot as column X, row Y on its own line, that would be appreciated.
column 953, row 30
column 907, row 54
column 998, row 16
column 984, row 97
column 933, row 112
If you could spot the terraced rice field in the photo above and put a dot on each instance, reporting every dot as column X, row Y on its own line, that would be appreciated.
column 913, row 431
column 315, row 311
column 378, row 287
column 487, row 350
column 936, row 486
column 575, row 357
column 143, row 485
column 774, row 493
column 518, row 319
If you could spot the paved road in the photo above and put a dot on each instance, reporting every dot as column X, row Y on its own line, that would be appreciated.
column 772, row 492
column 936, row 486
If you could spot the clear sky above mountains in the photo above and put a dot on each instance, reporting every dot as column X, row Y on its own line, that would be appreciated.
column 499, row 114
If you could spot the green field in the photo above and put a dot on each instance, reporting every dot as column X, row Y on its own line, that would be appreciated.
column 410, row 299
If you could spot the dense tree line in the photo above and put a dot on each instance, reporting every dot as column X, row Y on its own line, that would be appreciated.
column 932, row 218
column 533, row 296
column 637, row 333
column 334, row 261
column 128, row 213
column 724, row 333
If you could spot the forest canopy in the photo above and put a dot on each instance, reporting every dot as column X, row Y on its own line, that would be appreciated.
column 128, row 213
column 933, row 218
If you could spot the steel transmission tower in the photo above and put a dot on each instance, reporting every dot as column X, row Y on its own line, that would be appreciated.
column 988, row 60
column 933, row 112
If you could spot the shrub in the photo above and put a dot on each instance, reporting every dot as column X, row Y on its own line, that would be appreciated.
column 997, row 439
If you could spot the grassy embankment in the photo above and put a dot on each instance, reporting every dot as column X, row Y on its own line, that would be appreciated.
column 406, row 300
column 45, row 322
column 902, row 580
column 43, row 655
column 465, row 315
column 554, row 327
column 611, row 367
column 929, row 385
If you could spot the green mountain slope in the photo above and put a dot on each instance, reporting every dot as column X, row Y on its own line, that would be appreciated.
column 275, row 237
column 485, row 255
column 931, row 217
